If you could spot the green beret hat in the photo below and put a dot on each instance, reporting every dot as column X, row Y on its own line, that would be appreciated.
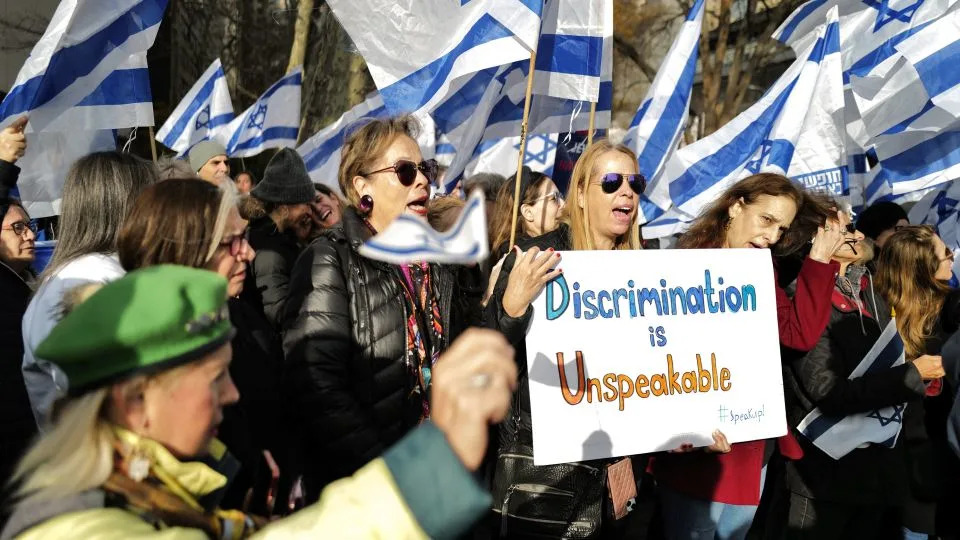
column 147, row 321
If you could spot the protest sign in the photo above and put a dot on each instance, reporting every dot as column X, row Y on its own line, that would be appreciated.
column 658, row 349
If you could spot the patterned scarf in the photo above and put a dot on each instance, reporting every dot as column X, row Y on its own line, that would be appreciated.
column 423, row 347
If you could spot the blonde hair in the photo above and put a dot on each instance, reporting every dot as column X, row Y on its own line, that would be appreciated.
column 75, row 456
column 575, row 216
column 906, row 277
column 365, row 145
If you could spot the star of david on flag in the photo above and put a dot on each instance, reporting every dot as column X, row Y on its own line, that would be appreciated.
column 887, row 14
column 755, row 165
column 258, row 117
column 838, row 436
column 540, row 150
column 203, row 118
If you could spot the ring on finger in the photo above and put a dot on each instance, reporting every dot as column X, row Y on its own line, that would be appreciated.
column 480, row 380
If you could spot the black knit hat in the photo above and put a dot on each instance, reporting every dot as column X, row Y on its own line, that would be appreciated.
column 285, row 180
column 879, row 217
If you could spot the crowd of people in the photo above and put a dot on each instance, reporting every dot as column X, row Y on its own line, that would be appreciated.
column 212, row 356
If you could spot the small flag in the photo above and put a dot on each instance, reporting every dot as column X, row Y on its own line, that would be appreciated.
column 838, row 436
column 408, row 238
column 205, row 108
column 273, row 121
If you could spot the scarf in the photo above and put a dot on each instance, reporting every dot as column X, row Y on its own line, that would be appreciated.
column 425, row 336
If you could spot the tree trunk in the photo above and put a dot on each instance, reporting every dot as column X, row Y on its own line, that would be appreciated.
column 301, row 33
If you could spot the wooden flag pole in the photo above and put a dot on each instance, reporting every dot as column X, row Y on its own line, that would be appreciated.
column 523, row 150
column 593, row 117
column 153, row 144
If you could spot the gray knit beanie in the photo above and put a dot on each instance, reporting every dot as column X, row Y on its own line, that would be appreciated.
column 285, row 180
column 201, row 153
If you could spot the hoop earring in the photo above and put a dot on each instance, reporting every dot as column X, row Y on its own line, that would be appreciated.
column 366, row 204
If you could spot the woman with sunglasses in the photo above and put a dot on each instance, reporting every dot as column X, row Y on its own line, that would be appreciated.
column 539, row 213
column 16, row 285
column 601, row 213
column 714, row 493
column 912, row 273
column 361, row 336
column 193, row 223
column 281, row 220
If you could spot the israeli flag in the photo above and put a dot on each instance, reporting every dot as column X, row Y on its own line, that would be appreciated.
column 92, row 58
column 489, row 106
column 838, row 437
column 655, row 130
column 795, row 129
column 206, row 107
column 321, row 152
column 570, row 49
column 912, row 152
column 415, row 49
column 273, row 121
column 501, row 156
column 940, row 208
column 408, row 238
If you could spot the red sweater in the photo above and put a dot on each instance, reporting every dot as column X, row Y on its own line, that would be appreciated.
column 734, row 477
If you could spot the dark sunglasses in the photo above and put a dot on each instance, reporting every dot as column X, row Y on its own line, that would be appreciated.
column 851, row 227
column 611, row 182
column 407, row 170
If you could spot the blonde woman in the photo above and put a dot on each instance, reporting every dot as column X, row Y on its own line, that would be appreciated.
column 601, row 213
column 132, row 452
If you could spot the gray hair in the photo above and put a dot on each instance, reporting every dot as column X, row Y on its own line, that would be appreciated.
column 97, row 194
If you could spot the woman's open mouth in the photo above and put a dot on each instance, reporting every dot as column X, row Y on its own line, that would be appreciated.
column 418, row 206
column 623, row 214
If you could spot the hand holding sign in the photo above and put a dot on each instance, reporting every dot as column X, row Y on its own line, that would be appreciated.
column 531, row 271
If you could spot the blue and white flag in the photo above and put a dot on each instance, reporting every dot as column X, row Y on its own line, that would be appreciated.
column 570, row 49
column 655, row 130
column 205, row 108
column 321, row 152
column 273, row 121
column 489, row 106
column 501, row 156
column 88, row 70
column 838, row 437
column 415, row 49
column 795, row 129
column 871, row 33
column 410, row 238
column 44, row 167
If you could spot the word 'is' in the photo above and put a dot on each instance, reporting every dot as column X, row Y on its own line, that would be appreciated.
column 631, row 301
column 619, row 387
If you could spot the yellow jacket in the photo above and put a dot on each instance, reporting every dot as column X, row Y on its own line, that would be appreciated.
column 417, row 489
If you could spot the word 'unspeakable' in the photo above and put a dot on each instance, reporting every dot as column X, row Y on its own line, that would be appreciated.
column 614, row 303
column 619, row 387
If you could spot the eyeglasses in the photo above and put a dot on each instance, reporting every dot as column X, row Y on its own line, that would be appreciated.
column 611, row 182
column 851, row 228
column 20, row 227
column 237, row 243
column 948, row 254
column 407, row 170
column 555, row 195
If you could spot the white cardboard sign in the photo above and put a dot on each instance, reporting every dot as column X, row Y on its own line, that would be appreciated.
column 659, row 348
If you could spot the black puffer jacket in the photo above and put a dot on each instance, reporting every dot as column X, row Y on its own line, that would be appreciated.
column 265, row 288
column 874, row 475
column 345, row 344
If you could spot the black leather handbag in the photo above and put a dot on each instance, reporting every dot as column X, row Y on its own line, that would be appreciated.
column 552, row 501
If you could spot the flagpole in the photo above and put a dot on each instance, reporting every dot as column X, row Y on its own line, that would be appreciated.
column 523, row 149
column 153, row 144
column 593, row 116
